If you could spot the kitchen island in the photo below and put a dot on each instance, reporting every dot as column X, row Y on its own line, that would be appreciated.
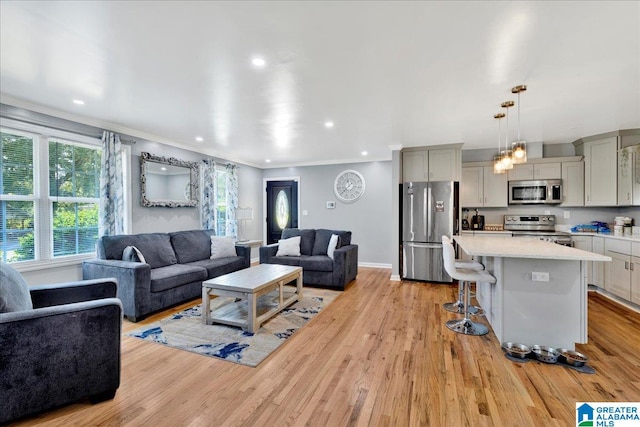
column 540, row 294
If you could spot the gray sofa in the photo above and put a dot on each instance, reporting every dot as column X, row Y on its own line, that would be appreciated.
column 318, row 269
column 58, row 343
column 175, row 266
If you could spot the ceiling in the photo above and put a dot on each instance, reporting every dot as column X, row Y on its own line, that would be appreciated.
column 387, row 74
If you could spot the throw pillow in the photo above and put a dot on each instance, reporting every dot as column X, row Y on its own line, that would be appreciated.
column 289, row 247
column 222, row 247
column 333, row 244
column 14, row 292
column 133, row 254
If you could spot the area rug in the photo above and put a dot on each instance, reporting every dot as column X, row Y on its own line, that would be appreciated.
column 185, row 330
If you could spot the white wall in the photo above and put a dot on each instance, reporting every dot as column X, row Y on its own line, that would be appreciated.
column 369, row 218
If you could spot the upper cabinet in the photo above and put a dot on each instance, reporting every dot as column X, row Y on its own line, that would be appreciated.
column 437, row 163
column 600, row 171
column 480, row 187
column 572, row 184
column 611, row 168
column 535, row 171
column 629, row 176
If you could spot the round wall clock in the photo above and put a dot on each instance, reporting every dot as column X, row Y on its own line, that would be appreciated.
column 349, row 186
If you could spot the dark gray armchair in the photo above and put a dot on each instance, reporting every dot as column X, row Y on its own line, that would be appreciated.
column 65, row 349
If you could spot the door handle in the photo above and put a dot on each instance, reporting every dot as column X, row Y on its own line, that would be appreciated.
column 626, row 265
column 424, row 245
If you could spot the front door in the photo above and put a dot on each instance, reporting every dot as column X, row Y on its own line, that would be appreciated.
column 282, row 208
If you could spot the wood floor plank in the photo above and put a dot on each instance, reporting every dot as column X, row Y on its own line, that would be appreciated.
column 380, row 355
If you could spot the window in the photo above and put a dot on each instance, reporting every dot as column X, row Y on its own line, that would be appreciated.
column 221, row 202
column 74, row 187
column 49, row 194
column 17, row 198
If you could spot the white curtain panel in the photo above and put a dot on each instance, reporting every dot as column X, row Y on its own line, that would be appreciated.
column 232, row 200
column 208, row 211
column 111, row 212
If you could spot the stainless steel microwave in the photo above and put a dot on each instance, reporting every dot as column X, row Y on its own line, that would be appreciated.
column 535, row 192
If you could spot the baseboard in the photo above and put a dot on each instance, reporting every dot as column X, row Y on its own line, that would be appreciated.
column 628, row 304
column 395, row 278
column 373, row 265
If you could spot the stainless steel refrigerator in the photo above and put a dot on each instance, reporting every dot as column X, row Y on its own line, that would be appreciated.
column 429, row 211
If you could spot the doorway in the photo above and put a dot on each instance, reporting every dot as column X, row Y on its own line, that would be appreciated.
column 281, row 207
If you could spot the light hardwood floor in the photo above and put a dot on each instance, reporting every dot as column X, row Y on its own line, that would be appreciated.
column 380, row 355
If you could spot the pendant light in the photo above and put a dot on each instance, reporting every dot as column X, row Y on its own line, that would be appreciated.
column 497, row 159
column 507, row 161
column 519, row 147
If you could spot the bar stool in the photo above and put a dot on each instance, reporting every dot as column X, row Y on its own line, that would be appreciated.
column 464, row 275
column 458, row 306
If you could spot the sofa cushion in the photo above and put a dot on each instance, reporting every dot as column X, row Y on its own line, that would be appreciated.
column 307, row 238
column 222, row 247
column 289, row 247
column 220, row 266
column 321, row 242
column 155, row 247
column 345, row 237
column 287, row 260
column 172, row 276
column 316, row 263
column 14, row 291
column 192, row 245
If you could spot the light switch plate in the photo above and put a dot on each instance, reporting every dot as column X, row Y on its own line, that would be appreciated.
column 537, row 276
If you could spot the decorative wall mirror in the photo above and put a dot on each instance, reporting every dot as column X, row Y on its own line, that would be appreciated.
column 168, row 182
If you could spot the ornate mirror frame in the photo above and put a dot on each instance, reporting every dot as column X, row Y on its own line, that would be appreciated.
column 193, row 185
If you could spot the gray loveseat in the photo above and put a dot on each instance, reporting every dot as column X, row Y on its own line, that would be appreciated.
column 318, row 269
column 175, row 266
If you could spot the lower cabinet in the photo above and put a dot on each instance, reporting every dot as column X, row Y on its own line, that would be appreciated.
column 622, row 276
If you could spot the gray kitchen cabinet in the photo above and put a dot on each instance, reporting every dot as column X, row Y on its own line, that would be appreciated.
column 444, row 164
column 600, row 171
column 535, row 171
column 415, row 166
column 629, row 176
column 585, row 243
column 572, row 184
column 619, row 270
column 431, row 164
column 635, row 279
column 480, row 187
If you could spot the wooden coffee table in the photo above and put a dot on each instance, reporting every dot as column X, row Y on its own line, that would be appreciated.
column 249, row 285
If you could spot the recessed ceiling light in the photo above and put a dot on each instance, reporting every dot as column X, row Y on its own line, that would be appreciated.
column 364, row 153
column 199, row 138
column 328, row 124
column 258, row 62
column 268, row 161
column 78, row 102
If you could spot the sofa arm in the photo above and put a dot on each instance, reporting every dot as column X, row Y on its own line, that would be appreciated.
column 57, row 355
column 267, row 252
column 345, row 267
column 134, row 283
column 67, row 293
column 245, row 252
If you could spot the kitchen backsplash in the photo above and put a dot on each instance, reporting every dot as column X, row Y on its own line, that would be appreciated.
column 577, row 215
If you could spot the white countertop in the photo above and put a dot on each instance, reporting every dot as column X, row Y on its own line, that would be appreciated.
column 523, row 247
column 632, row 238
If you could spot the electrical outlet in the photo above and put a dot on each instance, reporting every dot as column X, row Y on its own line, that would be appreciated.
column 567, row 214
column 537, row 276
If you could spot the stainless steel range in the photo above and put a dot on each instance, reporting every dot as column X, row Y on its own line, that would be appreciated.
column 542, row 226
